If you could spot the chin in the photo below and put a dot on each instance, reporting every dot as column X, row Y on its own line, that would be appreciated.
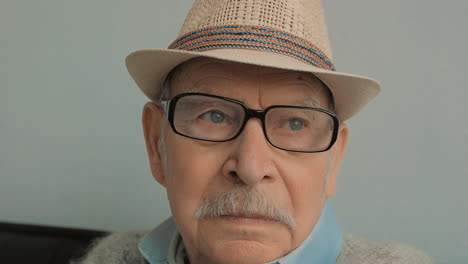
column 245, row 252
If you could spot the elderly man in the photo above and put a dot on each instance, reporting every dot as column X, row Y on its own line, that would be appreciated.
column 246, row 132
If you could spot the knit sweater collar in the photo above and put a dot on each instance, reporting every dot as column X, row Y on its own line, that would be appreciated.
column 164, row 245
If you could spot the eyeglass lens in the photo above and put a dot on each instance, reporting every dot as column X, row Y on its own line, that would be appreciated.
column 216, row 119
column 208, row 118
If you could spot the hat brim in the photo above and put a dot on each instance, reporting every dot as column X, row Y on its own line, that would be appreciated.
column 351, row 93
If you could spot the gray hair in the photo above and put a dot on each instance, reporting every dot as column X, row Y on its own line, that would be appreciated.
column 244, row 200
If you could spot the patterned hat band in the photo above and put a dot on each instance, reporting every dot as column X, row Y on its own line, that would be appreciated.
column 253, row 37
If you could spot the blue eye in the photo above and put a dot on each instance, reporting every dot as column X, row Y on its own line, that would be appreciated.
column 296, row 124
column 214, row 116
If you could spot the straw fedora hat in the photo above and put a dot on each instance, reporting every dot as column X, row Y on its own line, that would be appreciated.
column 284, row 34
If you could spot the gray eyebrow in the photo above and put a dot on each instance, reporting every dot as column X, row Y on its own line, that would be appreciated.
column 196, row 90
column 310, row 102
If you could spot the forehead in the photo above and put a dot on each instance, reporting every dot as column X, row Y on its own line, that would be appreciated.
column 224, row 78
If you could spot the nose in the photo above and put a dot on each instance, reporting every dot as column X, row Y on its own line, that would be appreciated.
column 251, row 160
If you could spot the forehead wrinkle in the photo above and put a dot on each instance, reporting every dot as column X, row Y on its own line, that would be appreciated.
column 193, row 84
column 299, row 79
column 200, row 84
column 319, row 90
column 264, row 75
column 284, row 74
column 310, row 102
column 312, row 87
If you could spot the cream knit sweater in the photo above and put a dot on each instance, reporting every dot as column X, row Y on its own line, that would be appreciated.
column 122, row 248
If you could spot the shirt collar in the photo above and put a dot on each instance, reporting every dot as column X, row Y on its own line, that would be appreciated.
column 322, row 245
column 160, row 244
column 163, row 245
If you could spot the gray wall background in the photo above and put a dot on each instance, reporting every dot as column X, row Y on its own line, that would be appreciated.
column 71, row 146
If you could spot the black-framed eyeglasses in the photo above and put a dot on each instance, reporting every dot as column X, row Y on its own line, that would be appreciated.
column 218, row 119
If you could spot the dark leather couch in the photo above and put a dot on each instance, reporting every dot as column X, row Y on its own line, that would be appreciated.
column 35, row 244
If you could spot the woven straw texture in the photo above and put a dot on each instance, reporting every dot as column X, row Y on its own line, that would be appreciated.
column 303, row 18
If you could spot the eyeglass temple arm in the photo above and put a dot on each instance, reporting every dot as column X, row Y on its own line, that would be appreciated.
column 164, row 104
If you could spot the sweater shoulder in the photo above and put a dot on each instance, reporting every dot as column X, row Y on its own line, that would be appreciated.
column 357, row 249
column 116, row 248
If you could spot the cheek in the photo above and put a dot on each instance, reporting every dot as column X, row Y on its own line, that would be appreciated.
column 306, row 187
column 189, row 179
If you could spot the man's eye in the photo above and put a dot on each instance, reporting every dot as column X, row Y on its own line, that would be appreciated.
column 216, row 117
column 295, row 124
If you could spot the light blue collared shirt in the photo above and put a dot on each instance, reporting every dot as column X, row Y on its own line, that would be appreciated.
column 164, row 245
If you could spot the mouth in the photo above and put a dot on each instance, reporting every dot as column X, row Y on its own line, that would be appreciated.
column 248, row 218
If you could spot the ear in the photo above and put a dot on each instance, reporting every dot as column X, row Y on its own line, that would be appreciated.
column 337, row 153
column 152, row 119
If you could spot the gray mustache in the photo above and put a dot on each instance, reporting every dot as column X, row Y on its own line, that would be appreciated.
column 244, row 200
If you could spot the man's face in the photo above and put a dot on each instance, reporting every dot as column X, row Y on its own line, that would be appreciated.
column 194, row 171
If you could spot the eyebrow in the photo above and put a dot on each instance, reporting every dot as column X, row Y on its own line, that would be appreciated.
column 308, row 101
column 198, row 90
column 194, row 89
